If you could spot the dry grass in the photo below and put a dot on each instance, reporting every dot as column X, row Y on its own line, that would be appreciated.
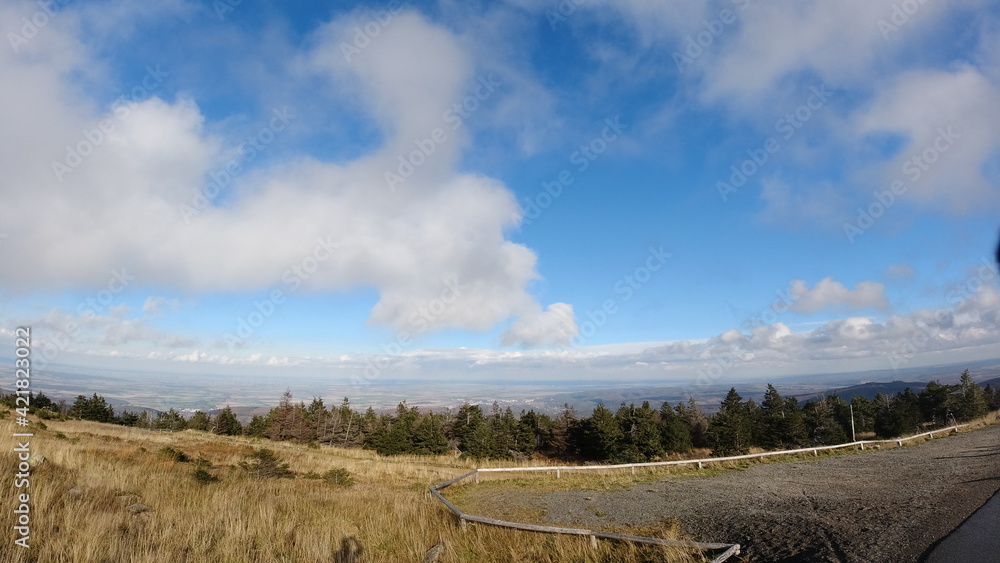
column 386, row 516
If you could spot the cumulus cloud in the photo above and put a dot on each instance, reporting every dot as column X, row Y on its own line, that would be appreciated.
column 554, row 326
column 303, row 225
column 156, row 305
column 950, row 131
column 830, row 294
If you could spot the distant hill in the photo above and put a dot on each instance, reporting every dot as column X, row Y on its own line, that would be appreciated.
column 869, row 390
column 995, row 383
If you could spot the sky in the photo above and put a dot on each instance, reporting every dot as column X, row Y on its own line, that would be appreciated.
column 634, row 190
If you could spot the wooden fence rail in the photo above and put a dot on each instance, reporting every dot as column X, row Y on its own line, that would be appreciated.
column 730, row 549
column 700, row 462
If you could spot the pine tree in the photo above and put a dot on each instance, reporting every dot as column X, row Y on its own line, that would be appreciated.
column 821, row 424
column 564, row 427
column 697, row 422
column 198, row 421
column 257, row 427
column 781, row 421
column 600, row 435
column 675, row 434
column 936, row 403
column 226, row 423
column 972, row 402
column 428, row 435
column 864, row 414
column 729, row 431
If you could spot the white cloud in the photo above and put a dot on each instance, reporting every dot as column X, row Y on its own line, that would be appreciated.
column 951, row 127
column 555, row 326
column 341, row 222
column 157, row 305
column 830, row 294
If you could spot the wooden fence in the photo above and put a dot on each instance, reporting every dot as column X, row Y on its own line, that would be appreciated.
column 701, row 462
column 728, row 550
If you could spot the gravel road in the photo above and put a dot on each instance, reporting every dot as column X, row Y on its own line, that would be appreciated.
column 888, row 505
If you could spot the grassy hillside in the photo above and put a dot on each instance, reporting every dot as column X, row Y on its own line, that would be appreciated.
column 387, row 515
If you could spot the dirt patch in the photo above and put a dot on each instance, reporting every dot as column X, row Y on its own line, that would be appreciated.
column 888, row 505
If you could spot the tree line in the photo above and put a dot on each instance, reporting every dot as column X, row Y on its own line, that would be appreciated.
column 630, row 434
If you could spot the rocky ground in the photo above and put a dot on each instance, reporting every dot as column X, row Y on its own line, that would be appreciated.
column 888, row 505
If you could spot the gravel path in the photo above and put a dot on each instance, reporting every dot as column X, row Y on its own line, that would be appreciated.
column 888, row 505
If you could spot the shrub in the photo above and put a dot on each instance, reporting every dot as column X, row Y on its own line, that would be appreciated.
column 59, row 436
column 339, row 477
column 265, row 464
column 201, row 475
column 175, row 455
column 41, row 425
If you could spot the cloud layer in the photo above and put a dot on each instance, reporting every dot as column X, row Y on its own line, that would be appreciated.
column 145, row 184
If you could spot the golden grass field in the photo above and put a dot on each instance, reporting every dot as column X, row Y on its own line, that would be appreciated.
column 387, row 515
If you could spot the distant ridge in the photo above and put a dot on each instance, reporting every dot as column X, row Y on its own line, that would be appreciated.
column 869, row 390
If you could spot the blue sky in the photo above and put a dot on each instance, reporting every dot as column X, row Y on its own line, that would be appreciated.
column 629, row 190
